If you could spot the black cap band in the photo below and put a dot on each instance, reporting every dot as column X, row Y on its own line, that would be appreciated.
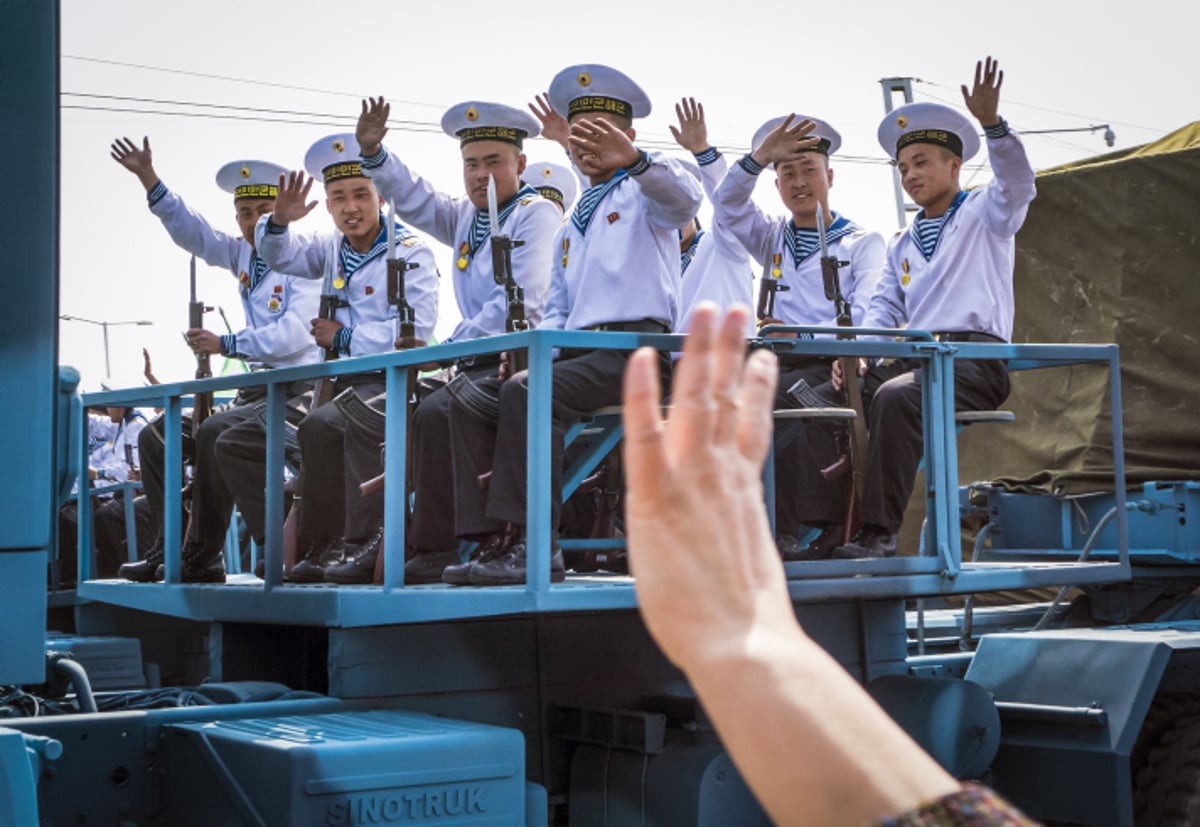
column 938, row 137
column 492, row 133
column 599, row 103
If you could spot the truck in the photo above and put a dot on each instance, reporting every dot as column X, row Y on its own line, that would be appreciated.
column 258, row 702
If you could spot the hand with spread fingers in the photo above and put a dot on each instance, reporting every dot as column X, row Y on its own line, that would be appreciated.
column 139, row 161
column 372, row 125
column 602, row 145
column 692, row 133
column 712, row 591
column 710, row 450
column 290, row 204
column 785, row 142
column 554, row 125
column 983, row 100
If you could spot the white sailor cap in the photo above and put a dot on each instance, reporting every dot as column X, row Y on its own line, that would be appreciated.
column 591, row 87
column 829, row 140
column 553, row 181
column 334, row 157
column 928, row 123
column 484, row 121
column 250, row 179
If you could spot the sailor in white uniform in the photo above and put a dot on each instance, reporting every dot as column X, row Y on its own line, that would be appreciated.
column 351, row 265
column 950, row 272
column 277, row 309
column 616, row 266
column 553, row 181
column 788, row 249
column 490, row 137
column 716, row 267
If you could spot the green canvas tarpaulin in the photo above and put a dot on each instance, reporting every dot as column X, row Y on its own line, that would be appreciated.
column 1110, row 253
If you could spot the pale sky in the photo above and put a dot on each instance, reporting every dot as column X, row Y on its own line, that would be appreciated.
column 1068, row 65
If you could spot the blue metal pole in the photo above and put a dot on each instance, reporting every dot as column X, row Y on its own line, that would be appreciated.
column 537, row 472
column 173, row 486
column 395, row 489
column 273, row 510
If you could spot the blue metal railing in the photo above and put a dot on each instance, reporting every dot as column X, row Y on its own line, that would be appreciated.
column 940, row 569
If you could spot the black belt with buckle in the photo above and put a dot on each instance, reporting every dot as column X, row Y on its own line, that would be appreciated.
column 966, row 336
column 640, row 326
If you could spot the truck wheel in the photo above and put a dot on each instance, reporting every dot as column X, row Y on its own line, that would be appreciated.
column 1167, row 708
column 1166, row 787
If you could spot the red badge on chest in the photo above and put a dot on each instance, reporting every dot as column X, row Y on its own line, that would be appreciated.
column 613, row 217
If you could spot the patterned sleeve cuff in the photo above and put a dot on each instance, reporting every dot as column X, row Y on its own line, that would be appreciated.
column 640, row 165
column 275, row 229
column 157, row 193
column 342, row 340
column 997, row 131
column 707, row 156
column 750, row 165
column 377, row 160
column 974, row 804
column 229, row 344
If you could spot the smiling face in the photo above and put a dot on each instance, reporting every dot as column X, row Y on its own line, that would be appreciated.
column 354, row 205
column 502, row 160
column 248, row 211
column 929, row 175
column 803, row 184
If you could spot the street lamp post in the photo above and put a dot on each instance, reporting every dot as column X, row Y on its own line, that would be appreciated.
column 105, row 325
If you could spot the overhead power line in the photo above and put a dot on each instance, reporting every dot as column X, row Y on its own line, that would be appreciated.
column 252, row 114
column 231, row 79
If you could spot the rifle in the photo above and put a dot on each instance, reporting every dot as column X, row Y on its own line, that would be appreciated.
column 502, row 272
column 769, row 285
column 854, row 457
column 202, row 403
column 330, row 302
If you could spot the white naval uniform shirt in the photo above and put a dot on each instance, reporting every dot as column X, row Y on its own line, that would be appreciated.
column 763, row 237
column 721, row 270
column 481, row 302
column 625, row 266
column 371, row 320
column 278, row 309
column 967, row 285
column 114, row 459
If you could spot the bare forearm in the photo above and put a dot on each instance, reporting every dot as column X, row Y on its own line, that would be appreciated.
column 813, row 745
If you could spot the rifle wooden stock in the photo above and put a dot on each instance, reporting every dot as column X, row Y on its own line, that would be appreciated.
column 856, row 430
column 202, row 403
column 325, row 386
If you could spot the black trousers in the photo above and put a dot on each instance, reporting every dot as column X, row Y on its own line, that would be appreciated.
column 446, row 438
column 240, row 452
column 151, row 456
column 892, row 397
column 112, row 543
column 802, row 496
column 582, row 382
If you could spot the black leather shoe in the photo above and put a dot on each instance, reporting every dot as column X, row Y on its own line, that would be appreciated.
column 870, row 543
column 318, row 555
column 427, row 566
column 145, row 570
column 821, row 548
column 198, row 565
column 508, row 567
column 358, row 564
column 459, row 573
